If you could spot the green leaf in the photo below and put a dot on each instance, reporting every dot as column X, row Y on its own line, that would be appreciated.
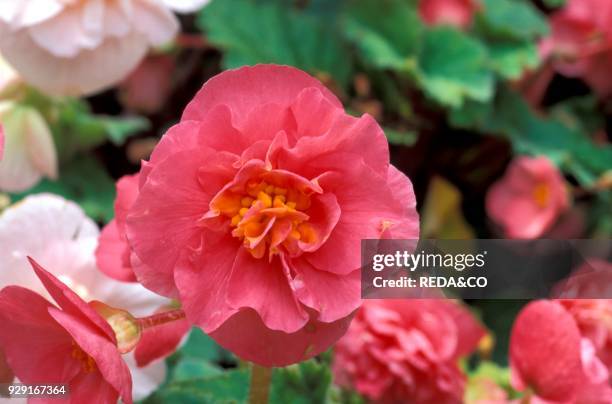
column 580, row 113
column 85, row 182
column 554, row 3
column 452, row 67
column 304, row 383
column 401, row 138
column 510, row 59
column 228, row 387
column 251, row 33
column 509, row 116
column 201, row 346
column 76, row 129
column 386, row 32
column 511, row 19
column 484, row 381
column 194, row 368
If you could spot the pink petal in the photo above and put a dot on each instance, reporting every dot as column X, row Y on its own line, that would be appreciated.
column 70, row 302
column 245, row 335
column 245, row 88
column 83, row 386
column 104, row 352
column 545, row 351
column 470, row 330
column 324, row 214
column 113, row 254
column 203, row 281
column 264, row 286
column 6, row 374
column 316, row 153
column 369, row 208
column 164, row 220
column 127, row 193
column 26, row 323
column 1, row 142
column 332, row 296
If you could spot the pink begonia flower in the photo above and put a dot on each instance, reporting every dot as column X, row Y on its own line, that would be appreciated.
column 69, row 344
column 252, row 209
column 62, row 238
column 458, row 13
column 580, row 43
column 528, row 199
column 400, row 350
column 29, row 151
column 550, row 357
column 81, row 47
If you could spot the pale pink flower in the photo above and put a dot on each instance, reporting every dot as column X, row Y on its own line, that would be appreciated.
column 59, row 234
column 75, row 47
column 407, row 351
column 252, row 209
column 29, row 151
column 530, row 197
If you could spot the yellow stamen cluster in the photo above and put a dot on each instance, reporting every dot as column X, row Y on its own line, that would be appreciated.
column 87, row 362
column 250, row 213
column 541, row 195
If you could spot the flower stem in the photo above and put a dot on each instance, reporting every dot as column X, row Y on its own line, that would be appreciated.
column 161, row 318
column 260, row 384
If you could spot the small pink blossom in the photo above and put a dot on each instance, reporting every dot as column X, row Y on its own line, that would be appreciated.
column 69, row 343
column 530, row 197
column 458, row 13
column 580, row 44
column 401, row 350
column 59, row 234
column 251, row 211
column 147, row 88
column 550, row 357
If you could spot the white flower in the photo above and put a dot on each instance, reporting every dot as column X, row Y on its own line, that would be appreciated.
column 76, row 47
column 58, row 234
column 185, row 6
column 9, row 79
column 29, row 151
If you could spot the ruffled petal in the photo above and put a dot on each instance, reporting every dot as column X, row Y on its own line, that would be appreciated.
column 245, row 88
column 268, row 347
column 264, row 286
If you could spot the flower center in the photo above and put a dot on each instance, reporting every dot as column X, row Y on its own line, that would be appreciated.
column 267, row 217
column 87, row 362
column 541, row 195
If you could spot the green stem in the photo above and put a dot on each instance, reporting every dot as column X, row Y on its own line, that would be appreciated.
column 260, row 384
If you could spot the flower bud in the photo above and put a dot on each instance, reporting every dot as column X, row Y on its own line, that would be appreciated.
column 126, row 327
